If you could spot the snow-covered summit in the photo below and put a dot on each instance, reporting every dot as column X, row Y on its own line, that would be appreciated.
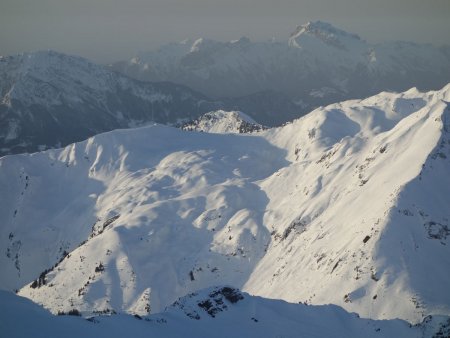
column 324, row 32
column 320, row 28
column 223, row 122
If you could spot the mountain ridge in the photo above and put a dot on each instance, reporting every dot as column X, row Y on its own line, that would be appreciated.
column 295, row 213
column 317, row 65
column 52, row 99
column 49, row 100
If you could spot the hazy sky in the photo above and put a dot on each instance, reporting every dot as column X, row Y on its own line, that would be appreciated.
column 110, row 30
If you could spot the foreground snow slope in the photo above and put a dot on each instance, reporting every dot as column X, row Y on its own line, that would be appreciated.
column 215, row 312
column 179, row 196
column 348, row 205
column 369, row 227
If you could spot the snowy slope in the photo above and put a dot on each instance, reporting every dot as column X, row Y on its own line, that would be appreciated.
column 50, row 99
column 319, row 64
column 176, row 191
column 348, row 205
column 370, row 208
column 215, row 312
column 222, row 122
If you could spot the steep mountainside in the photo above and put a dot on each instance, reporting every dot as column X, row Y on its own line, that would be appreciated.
column 50, row 99
column 216, row 312
column 348, row 205
column 318, row 65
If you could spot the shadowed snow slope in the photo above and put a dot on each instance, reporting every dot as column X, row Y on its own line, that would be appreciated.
column 348, row 205
column 215, row 312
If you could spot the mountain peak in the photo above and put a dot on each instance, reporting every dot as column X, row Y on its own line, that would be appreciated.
column 223, row 122
column 321, row 27
column 324, row 32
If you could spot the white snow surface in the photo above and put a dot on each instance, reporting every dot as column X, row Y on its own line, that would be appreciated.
column 348, row 205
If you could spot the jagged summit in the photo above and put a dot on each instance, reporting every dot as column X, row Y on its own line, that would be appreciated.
column 223, row 122
column 328, row 35
column 320, row 28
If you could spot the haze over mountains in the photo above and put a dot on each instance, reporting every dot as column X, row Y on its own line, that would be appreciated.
column 318, row 64
column 50, row 99
column 154, row 229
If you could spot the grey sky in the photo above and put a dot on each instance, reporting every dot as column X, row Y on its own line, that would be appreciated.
column 110, row 30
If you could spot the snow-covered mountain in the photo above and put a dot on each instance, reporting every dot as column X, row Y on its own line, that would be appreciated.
column 347, row 205
column 319, row 64
column 223, row 122
column 50, row 99
column 216, row 312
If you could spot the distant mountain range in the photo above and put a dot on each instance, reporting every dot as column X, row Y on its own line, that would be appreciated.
column 50, row 100
column 318, row 64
